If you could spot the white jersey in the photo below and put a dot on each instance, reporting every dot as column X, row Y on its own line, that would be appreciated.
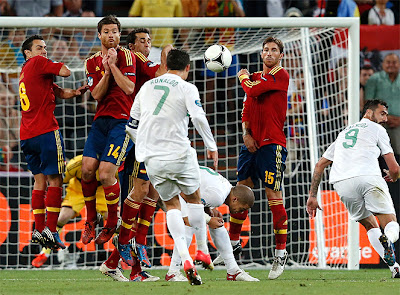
column 356, row 150
column 162, row 107
column 214, row 188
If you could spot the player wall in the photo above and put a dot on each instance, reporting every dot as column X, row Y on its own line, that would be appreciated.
column 222, row 98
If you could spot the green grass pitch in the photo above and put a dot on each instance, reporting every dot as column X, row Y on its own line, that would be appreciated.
column 292, row 282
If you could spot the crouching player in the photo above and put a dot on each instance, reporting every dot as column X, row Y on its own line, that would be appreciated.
column 216, row 190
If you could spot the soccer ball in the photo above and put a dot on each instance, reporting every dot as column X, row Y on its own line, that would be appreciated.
column 217, row 58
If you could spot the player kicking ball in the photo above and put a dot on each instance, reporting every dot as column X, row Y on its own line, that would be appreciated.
column 359, row 182
column 216, row 190
column 159, row 126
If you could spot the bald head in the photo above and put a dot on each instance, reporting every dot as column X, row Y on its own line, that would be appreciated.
column 244, row 194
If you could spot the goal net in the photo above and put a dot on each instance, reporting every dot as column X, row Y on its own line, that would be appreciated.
column 321, row 56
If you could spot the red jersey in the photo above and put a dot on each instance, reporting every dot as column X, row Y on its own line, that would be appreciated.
column 115, row 103
column 265, row 105
column 145, row 70
column 37, row 96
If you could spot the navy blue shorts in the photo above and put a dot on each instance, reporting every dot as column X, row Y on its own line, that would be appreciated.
column 45, row 153
column 107, row 140
column 131, row 169
column 231, row 71
column 266, row 164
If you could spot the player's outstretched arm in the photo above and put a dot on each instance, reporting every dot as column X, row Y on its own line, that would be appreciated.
column 214, row 156
column 312, row 203
column 163, row 66
column 67, row 93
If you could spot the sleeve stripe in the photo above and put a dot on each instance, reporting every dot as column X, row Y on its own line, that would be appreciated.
column 128, row 56
column 86, row 71
column 250, row 84
column 141, row 56
column 275, row 70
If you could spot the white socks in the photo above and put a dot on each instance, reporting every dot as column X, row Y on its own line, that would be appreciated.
column 176, row 259
column 373, row 236
column 392, row 231
column 177, row 229
column 198, row 223
column 220, row 238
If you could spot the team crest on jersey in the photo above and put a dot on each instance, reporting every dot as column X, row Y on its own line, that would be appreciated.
column 90, row 81
column 97, row 68
column 198, row 102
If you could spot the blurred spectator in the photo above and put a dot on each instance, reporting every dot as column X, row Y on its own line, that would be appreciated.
column 158, row 8
column 190, row 8
column 365, row 73
column 73, row 8
column 5, row 8
column 379, row 15
column 385, row 85
column 11, row 58
column 9, row 129
column 333, row 8
column 37, row 7
column 87, row 41
column 271, row 8
column 364, row 5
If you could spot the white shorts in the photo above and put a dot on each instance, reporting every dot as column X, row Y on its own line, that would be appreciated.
column 170, row 178
column 364, row 196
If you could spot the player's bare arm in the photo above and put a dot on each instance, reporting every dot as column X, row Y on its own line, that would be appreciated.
column 214, row 156
column 248, row 139
column 394, row 171
column 123, row 82
column 312, row 203
column 100, row 90
column 163, row 66
column 67, row 93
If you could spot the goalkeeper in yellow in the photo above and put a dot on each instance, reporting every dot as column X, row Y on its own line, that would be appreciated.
column 73, row 202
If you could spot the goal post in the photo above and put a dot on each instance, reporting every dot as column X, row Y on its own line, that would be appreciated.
column 322, row 58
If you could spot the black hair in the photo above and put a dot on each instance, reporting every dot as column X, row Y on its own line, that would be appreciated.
column 108, row 20
column 373, row 105
column 177, row 60
column 131, row 38
column 27, row 45
column 277, row 41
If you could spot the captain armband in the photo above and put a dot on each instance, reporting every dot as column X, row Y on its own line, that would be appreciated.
column 242, row 77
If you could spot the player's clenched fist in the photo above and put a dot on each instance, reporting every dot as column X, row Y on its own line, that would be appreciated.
column 112, row 56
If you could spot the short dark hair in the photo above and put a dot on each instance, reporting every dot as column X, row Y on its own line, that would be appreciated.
column 367, row 67
column 373, row 105
column 244, row 194
column 177, row 60
column 131, row 38
column 277, row 41
column 108, row 20
column 27, row 45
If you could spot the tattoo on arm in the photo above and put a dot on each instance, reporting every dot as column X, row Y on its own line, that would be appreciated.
column 316, row 179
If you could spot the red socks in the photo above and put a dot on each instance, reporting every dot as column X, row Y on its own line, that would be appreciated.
column 112, row 200
column 129, row 212
column 112, row 261
column 146, row 213
column 39, row 209
column 89, row 189
column 279, row 217
column 235, row 225
column 53, row 206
